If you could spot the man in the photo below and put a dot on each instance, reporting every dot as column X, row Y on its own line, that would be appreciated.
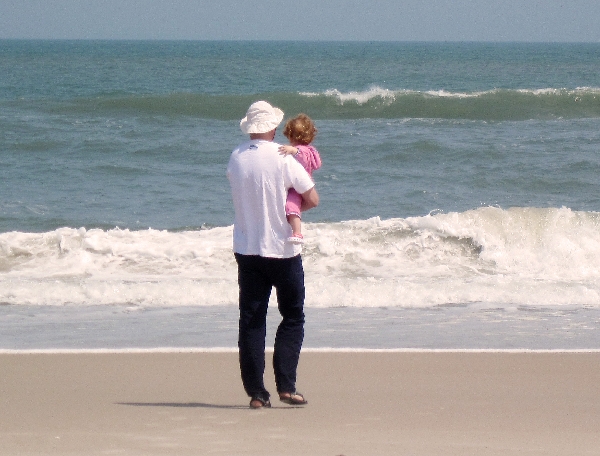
column 260, row 178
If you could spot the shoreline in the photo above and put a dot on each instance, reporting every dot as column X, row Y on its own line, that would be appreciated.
column 175, row 350
column 96, row 328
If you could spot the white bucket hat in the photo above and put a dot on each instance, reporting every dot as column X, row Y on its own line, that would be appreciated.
column 261, row 117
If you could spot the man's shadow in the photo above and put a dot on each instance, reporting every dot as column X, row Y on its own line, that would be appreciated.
column 196, row 404
column 182, row 404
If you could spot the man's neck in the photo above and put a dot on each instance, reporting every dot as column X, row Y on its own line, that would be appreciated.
column 268, row 136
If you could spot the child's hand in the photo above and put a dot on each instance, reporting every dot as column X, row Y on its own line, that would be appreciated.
column 288, row 150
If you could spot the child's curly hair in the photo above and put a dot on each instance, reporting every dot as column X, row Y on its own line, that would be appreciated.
column 301, row 129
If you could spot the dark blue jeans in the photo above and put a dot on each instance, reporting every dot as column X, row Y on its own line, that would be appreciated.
column 256, row 277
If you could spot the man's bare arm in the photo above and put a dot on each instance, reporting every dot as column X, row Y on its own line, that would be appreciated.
column 310, row 199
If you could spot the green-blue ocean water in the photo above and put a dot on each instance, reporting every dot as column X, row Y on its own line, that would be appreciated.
column 136, row 134
column 453, row 173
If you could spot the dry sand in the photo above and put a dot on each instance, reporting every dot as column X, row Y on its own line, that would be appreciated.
column 359, row 404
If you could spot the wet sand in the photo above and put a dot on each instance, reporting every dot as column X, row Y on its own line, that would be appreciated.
column 360, row 403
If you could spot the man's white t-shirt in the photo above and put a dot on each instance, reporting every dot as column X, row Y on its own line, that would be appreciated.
column 260, row 178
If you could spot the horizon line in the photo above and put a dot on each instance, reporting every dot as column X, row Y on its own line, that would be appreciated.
column 238, row 40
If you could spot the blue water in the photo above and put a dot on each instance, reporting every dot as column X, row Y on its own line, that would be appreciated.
column 453, row 173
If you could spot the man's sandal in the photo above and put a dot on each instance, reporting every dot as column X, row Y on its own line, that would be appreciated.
column 294, row 398
column 258, row 402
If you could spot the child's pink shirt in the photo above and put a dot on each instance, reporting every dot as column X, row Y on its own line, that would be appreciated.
column 308, row 157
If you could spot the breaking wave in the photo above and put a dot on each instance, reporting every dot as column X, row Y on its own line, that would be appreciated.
column 502, row 257
column 375, row 102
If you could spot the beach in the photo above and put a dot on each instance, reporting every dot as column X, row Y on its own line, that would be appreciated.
column 360, row 403
column 452, row 267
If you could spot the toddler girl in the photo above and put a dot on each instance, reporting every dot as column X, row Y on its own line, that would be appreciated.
column 300, row 131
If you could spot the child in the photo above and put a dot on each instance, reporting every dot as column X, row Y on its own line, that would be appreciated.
column 300, row 131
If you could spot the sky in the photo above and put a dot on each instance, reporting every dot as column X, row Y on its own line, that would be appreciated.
column 321, row 20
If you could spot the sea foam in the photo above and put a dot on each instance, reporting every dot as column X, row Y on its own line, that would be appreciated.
column 490, row 256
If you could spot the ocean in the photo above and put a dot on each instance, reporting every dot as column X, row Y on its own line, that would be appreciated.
column 460, row 198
